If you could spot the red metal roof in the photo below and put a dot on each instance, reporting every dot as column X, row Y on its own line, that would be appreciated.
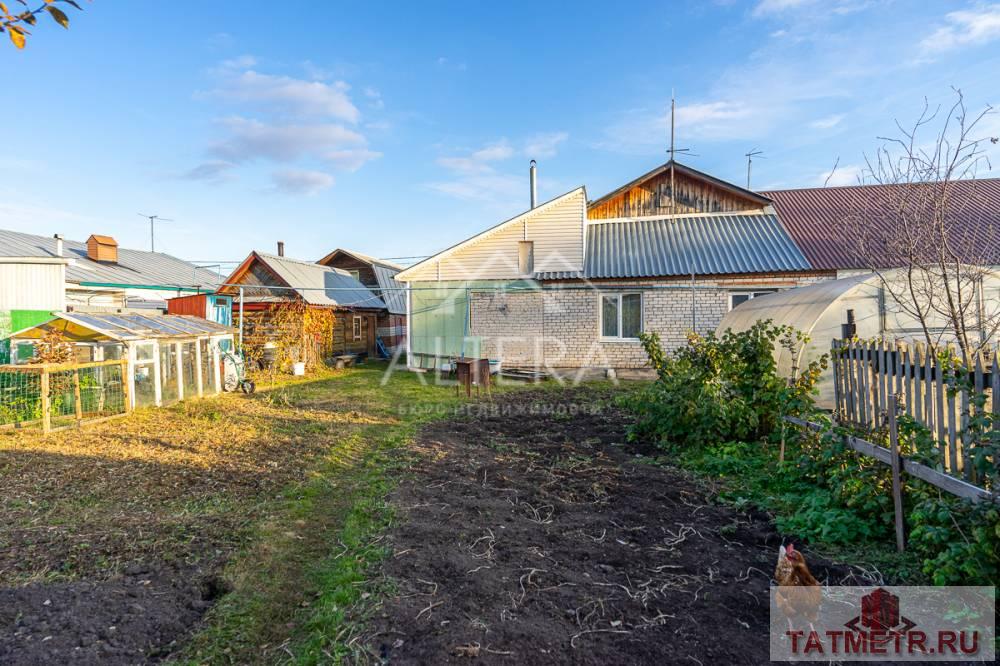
column 816, row 219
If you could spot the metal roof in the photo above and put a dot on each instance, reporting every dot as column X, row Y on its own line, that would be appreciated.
column 681, row 245
column 393, row 292
column 133, row 327
column 321, row 285
column 360, row 256
column 134, row 267
column 817, row 220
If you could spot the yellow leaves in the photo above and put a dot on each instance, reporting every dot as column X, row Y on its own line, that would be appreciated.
column 16, row 36
column 58, row 14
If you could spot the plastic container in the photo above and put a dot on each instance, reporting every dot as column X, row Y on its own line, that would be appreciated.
column 298, row 369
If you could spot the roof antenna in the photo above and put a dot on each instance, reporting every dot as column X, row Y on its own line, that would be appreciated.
column 673, row 153
column 752, row 154
column 152, row 221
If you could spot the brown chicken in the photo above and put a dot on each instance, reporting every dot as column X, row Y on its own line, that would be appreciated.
column 799, row 593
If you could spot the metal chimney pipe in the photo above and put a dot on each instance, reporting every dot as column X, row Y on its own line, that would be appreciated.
column 533, row 171
column 281, row 248
column 59, row 244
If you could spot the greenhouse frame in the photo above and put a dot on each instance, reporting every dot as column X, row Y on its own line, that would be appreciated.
column 170, row 357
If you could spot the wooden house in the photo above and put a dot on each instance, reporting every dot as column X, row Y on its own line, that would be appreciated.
column 292, row 310
column 379, row 276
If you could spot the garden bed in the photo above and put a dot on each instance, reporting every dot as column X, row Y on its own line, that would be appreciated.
column 530, row 532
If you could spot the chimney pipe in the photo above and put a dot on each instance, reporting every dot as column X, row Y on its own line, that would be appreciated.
column 281, row 248
column 59, row 244
column 533, row 171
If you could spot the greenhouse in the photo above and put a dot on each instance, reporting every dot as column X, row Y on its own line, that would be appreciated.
column 858, row 306
column 169, row 357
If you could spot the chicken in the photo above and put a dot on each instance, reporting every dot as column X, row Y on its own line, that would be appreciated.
column 798, row 594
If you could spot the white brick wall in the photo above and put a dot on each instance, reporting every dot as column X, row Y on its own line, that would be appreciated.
column 559, row 328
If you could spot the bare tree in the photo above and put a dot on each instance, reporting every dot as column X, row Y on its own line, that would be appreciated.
column 926, row 229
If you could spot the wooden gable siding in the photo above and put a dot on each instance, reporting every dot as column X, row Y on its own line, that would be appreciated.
column 366, row 274
column 557, row 233
column 652, row 198
column 256, row 280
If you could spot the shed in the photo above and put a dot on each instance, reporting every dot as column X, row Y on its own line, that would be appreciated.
column 214, row 307
column 856, row 306
column 170, row 357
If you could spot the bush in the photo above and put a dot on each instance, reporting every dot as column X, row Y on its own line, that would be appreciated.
column 722, row 388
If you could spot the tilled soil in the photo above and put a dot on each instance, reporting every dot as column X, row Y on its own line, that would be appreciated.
column 529, row 532
column 130, row 619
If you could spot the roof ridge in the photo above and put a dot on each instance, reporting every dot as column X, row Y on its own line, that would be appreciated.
column 754, row 212
column 861, row 186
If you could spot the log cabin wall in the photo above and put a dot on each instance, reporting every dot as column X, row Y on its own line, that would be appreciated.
column 652, row 198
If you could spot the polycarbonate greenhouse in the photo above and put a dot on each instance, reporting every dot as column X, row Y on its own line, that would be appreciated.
column 170, row 357
column 837, row 309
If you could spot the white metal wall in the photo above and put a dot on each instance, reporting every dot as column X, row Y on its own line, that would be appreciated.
column 32, row 286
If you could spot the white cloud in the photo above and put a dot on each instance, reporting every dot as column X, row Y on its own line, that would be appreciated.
column 827, row 122
column 847, row 174
column 374, row 97
column 290, row 96
column 643, row 131
column 544, row 145
column 478, row 161
column 777, row 6
column 967, row 27
column 491, row 188
column 213, row 170
column 252, row 139
column 301, row 181
column 350, row 159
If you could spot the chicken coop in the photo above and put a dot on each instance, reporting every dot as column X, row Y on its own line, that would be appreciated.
column 167, row 357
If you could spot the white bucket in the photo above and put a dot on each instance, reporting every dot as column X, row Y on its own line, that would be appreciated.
column 298, row 369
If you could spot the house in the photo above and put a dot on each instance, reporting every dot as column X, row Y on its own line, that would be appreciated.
column 290, row 310
column 213, row 307
column 379, row 276
column 571, row 283
column 40, row 275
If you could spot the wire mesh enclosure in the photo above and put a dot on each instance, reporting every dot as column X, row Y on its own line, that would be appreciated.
column 53, row 396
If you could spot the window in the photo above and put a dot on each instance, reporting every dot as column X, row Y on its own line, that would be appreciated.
column 621, row 316
column 526, row 257
column 737, row 297
column 356, row 275
column 357, row 328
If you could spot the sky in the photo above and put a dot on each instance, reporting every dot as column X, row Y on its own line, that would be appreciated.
column 399, row 129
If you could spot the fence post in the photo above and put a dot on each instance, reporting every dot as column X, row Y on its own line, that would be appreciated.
column 46, row 408
column 126, row 380
column 76, row 398
column 897, row 484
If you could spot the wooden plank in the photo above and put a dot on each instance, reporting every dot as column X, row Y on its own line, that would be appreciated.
column 851, row 388
column 945, row 482
column 907, row 396
column 954, row 466
column 126, row 385
column 46, row 407
column 995, row 374
column 939, row 400
column 864, row 397
column 899, row 370
column 929, row 389
column 918, row 384
column 77, row 403
column 885, row 370
column 878, row 400
column 838, row 392
column 56, row 367
column 897, row 482
column 964, row 422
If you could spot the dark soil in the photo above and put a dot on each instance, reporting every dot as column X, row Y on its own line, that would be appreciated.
column 531, row 533
column 133, row 618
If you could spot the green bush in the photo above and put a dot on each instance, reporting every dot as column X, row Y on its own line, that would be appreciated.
column 722, row 388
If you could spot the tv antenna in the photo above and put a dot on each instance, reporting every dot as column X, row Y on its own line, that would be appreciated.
column 153, row 219
column 752, row 154
column 673, row 154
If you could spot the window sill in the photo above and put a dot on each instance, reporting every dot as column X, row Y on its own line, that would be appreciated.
column 632, row 341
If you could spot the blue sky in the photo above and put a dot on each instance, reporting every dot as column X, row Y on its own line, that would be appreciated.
column 398, row 129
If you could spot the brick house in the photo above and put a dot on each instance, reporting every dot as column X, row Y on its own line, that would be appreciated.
column 571, row 283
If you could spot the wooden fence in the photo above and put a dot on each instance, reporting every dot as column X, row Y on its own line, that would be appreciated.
column 867, row 374
column 54, row 396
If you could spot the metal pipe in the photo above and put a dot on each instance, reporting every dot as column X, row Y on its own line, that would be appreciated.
column 241, row 320
column 533, row 177
column 59, row 244
column 281, row 248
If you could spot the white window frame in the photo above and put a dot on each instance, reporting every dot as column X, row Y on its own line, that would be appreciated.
column 750, row 294
column 356, row 328
column 600, row 315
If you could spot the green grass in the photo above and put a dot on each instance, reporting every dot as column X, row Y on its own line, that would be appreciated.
column 304, row 586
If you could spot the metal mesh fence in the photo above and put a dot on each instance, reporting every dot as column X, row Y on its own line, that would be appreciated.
column 51, row 396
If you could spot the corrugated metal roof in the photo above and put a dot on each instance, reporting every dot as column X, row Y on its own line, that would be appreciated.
column 134, row 267
column 700, row 244
column 393, row 292
column 322, row 285
column 558, row 275
column 131, row 327
column 817, row 219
